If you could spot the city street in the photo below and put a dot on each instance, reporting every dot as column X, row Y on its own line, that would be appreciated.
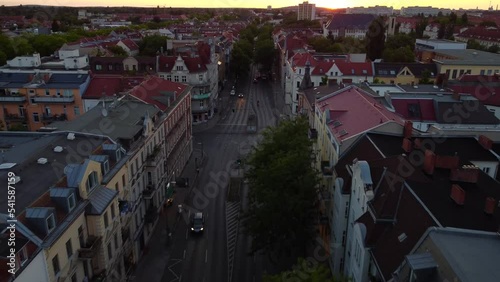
column 220, row 252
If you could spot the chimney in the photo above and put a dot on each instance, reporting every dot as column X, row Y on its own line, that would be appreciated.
column 429, row 161
column 457, row 194
column 448, row 162
column 407, row 145
column 456, row 95
column 489, row 205
column 408, row 129
column 417, row 143
column 468, row 173
column 485, row 142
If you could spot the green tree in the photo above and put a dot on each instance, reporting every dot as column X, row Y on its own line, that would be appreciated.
column 118, row 51
column 3, row 58
column 493, row 49
column 420, row 27
column 399, row 40
column 488, row 23
column 399, row 55
column 425, row 79
column 321, row 44
column 473, row 44
column 150, row 45
column 375, row 38
column 240, row 60
column 283, row 190
column 22, row 46
column 55, row 25
column 264, row 53
column 465, row 19
column 306, row 270
column 46, row 45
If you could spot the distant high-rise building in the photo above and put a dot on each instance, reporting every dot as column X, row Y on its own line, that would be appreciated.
column 269, row 8
column 306, row 11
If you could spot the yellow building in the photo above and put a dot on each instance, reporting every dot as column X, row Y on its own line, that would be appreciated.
column 452, row 64
column 404, row 73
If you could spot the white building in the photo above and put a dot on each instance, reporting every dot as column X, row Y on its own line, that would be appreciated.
column 361, row 193
column 439, row 44
column 36, row 270
column 427, row 11
column 306, row 11
column 25, row 61
column 376, row 10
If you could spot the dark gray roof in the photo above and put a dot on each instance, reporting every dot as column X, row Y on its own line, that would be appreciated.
column 469, row 57
column 472, row 255
column 25, row 148
column 66, row 80
column 100, row 198
column 479, row 115
column 122, row 122
column 38, row 212
column 60, row 192
column 74, row 173
column 392, row 69
column 8, row 80
column 360, row 21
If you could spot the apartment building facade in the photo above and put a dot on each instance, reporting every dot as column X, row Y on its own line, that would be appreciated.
column 306, row 11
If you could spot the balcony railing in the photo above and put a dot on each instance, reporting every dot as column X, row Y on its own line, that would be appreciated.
column 61, row 117
column 53, row 99
column 12, row 117
column 13, row 98
column 154, row 157
column 327, row 168
column 91, row 247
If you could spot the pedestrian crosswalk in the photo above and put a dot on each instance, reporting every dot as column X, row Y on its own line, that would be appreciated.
column 232, row 226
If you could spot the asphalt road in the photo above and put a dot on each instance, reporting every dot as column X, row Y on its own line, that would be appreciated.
column 204, row 257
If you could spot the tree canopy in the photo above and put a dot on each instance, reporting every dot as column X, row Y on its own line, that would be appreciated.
column 306, row 270
column 282, row 190
column 375, row 39
column 152, row 44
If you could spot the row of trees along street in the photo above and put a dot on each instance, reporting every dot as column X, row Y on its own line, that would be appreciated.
column 255, row 45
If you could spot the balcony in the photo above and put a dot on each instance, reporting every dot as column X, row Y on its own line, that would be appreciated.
column 148, row 193
column 48, row 118
column 313, row 134
column 327, row 168
column 91, row 247
column 13, row 98
column 12, row 117
column 151, row 214
column 53, row 100
column 155, row 156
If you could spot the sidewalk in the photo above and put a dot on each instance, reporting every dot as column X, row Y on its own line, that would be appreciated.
column 153, row 263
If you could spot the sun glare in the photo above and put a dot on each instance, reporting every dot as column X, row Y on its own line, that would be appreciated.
column 331, row 4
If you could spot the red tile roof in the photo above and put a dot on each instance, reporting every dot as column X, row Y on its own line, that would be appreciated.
column 108, row 85
column 156, row 88
column 485, row 88
column 130, row 44
column 426, row 112
column 490, row 34
column 356, row 110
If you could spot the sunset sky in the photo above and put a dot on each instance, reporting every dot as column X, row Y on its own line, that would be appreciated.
column 454, row 4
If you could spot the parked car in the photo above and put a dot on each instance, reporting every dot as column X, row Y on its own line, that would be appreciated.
column 197, row 222
column 233, row 92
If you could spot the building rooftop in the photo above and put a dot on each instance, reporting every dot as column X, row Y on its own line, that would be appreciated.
column 101, row 86
column 467, row 57
column 122, row 120
column 26, row 148
column 345, row 107
column 473, row 256
column 160, row 92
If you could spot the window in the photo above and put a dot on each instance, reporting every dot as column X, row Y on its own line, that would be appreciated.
column 116, row 187
column 179, row 68
column 123, row 180
column 77, row 110
column 486, row 170
column 200, row 77
column 169, row 77
column 298, row 83
column 112, row 210
column 36, row 118
column 482, row 72
column 176, row 78
column 23, row 256
column 69, row 248
column 454, row 74
column 116, row 242
column 55, row 265
column 80, row 236
column 51, row 222
column 300, row 71
column 106, row 220
column 490, row 72
column 68, row 93
column 110, row 251
column 184, row 79
column 134, row 67
column 98, row 67
column 22, row 111
column 126, row 67
column 201, row 104
column 91, row 181
column 47, row 92
column 71, row 201
column 110, row 67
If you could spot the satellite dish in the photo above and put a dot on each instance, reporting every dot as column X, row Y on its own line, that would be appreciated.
column 104, row 112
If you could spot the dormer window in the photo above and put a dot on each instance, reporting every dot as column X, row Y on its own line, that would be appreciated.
column 106, row 166
column 91, row 181
column 51, row 222
column 71, row 202
column 179, row 68
column 118, row 155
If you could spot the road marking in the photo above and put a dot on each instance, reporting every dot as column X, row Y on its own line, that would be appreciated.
column 187, row 230
column 206, row 256
column 189, row 213
column 184, row 255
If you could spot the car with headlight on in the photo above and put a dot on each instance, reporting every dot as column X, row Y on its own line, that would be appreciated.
column 240, row 95
column 197, row 222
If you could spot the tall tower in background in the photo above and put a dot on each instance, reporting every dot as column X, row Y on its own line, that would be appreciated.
column 306, row 11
